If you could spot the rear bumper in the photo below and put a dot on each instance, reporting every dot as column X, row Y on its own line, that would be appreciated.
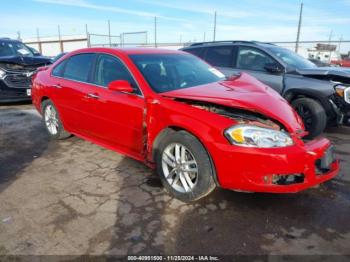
column 252, row 169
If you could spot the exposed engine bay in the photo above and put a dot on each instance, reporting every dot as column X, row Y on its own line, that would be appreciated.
column 239, row 115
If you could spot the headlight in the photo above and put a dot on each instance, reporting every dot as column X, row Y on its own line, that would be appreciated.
column 2, row 73
column 253, row 136
column 340, row 90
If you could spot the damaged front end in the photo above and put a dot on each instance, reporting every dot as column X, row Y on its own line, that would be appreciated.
column 340, row 81
column 242, row 117
column 340, row 102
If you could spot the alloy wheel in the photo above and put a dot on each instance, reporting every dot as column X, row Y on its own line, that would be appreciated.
column 51, row 119
column 179, row 167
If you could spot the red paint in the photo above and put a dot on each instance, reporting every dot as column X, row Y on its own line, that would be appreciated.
column 129, row 124
column 344, row 62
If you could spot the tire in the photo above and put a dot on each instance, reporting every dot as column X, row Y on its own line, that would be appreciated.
column 53, row 125
column 200, row 183
column 312, row 114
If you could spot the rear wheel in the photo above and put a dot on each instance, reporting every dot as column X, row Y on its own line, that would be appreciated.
column 184, row 167
column 52, row 121
column 312, row 114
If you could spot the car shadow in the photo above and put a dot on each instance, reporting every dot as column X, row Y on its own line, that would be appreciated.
column 150, row 222
column 258, row 224
column 23, row 138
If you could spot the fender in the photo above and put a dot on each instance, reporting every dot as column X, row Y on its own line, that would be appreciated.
column 164, row 118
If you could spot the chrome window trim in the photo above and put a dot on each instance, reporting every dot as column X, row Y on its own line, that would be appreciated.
column 104, row 87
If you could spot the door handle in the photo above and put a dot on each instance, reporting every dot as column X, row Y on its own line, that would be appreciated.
column 92, row 95
column 58, row 86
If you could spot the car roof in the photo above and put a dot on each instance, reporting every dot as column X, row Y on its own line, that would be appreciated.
column 6, row 39
column 131, row 51
column 230, row 42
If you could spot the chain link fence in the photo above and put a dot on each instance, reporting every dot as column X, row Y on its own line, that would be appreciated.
column 325, row 51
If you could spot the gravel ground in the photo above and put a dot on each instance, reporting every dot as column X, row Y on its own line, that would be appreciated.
column 72, row 198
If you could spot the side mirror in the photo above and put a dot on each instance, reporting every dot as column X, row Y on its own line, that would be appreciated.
column 121, row 86
column 273, row 68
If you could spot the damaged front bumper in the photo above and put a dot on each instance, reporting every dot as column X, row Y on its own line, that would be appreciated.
column 276, row 170
column 341, row 107
column 14, row 94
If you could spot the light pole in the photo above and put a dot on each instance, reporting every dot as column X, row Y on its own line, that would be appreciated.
column 155, row 31
column 299, row 27
column 109, row 33
column 214, row 36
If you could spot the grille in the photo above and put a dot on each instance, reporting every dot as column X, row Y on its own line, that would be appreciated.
column 17, row 81
column 347, row 95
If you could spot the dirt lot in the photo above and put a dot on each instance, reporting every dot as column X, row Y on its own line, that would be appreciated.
column 74, row 197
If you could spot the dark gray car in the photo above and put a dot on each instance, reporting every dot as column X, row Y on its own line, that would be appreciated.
column 18, row 63
column 321, row 96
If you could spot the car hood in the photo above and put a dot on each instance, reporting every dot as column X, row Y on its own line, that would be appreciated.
column 25, row 61
column 247, row 93
column 327, row 73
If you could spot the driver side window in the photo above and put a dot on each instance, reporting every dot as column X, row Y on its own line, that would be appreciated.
column 250, row 58
column 109, row 68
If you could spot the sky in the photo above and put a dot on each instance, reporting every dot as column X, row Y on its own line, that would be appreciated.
column 179, row 20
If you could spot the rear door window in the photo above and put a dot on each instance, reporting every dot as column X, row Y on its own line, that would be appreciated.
column 79, row 67
column 221, row 56
column 196, row 51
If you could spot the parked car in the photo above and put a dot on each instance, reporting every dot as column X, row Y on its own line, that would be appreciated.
column 321, row 96
column 320, row 63
column 17, row 64
column 344, row 62
column 179, row 115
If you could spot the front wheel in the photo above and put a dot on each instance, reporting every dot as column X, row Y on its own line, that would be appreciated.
column 313, row 115
column 52, row 121
column 184, row 167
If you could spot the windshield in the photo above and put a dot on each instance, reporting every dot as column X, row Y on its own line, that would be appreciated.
column 291, row 58
column 167, row 72
column 14, row 49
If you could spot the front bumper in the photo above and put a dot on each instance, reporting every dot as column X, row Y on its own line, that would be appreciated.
column 10, row 94
column 255, row 169
column 341, row 109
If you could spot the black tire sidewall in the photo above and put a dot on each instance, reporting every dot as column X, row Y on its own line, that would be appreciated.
column 205, row 181
column 319, row 117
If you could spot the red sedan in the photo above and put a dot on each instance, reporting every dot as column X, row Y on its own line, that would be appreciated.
column 181, row 116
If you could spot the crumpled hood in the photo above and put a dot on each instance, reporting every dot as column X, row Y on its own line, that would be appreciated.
column 329, row 73
column 24, row 60
column 244, row 92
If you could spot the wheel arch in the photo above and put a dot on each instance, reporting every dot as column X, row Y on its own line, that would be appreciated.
column 44, row 98
column 294, row 94
column 172, row 129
